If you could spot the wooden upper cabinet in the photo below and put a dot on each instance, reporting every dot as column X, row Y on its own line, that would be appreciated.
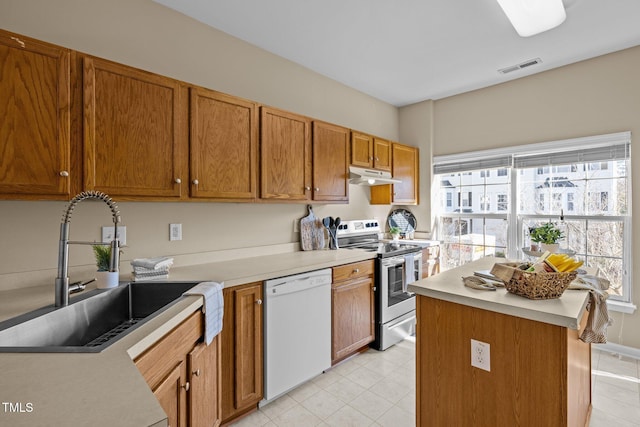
column 285, row 155
column 330, row 162
column 405, row 167
column 34, row 119
column 224, row 146
column 381, row 154
column 135, row 139
column 361, row 150
column 370, row 152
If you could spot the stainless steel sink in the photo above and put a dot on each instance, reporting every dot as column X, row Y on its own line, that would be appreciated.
column 91, row 323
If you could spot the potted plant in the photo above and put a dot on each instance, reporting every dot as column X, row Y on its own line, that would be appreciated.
column 547, row 236
column 395, row 233
column 104, row 277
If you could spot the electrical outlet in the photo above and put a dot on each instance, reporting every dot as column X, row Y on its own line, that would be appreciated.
column 296, row 225
column 107, row 234
column 175, row 231
column 481, row 355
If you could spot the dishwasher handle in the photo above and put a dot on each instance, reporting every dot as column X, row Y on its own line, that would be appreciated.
column 296, row 285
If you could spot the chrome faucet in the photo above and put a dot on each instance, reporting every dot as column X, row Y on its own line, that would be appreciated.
column 62, row 281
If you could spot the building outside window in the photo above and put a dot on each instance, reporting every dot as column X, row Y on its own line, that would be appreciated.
column 583, row 184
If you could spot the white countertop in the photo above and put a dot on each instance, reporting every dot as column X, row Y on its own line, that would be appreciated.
column 106, row 389
column 565, row 311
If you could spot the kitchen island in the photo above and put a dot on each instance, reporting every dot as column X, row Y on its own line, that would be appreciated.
column 534, row 371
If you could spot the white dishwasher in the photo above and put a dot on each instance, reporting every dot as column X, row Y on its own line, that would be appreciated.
column 297, row 330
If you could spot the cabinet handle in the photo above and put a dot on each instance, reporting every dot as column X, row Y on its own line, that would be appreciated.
column 196, row 372
column 317, row 189
column 186, row 386
column 356, row 270
column 377, row 159
column 64, row 173
column 178, row 181
column 20, row 42
column 307, row 188
column 371, row 158
column 196, row 182
column 373, row 289
column 259, row 302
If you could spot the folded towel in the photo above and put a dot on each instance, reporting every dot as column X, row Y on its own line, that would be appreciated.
column 213, row 307
column 409, row 271
column 142, row 270
column 596, row 329
column 146, row 278
column 153, row 263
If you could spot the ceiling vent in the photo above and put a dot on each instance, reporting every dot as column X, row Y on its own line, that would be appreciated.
column 520, row 66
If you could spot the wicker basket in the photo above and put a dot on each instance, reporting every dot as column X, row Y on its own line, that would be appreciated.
column 532, row 285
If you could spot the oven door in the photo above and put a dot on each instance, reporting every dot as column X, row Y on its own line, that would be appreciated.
column 395, row 300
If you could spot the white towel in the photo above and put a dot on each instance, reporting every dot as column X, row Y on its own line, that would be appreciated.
column 213, row 307
column 409, row 271
column 153, row 263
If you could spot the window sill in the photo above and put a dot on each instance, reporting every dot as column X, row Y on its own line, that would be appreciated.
column 622, row 307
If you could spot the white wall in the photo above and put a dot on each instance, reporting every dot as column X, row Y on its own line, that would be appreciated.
column 149, row 36
column 593, row 97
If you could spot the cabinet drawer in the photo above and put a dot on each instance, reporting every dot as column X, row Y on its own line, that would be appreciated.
column 354, row 270
column 157, row 361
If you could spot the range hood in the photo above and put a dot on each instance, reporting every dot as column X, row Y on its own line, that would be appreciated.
column 363, row 176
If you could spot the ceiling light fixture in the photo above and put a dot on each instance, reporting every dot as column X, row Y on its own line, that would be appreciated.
column 530, row 17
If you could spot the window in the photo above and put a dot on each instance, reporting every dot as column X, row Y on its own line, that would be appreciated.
column 502, row 202
column 584, row 181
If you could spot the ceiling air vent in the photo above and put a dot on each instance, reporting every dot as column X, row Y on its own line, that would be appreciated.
column 520, row 66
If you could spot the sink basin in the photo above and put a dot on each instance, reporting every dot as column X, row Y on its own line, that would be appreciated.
column 93, row 322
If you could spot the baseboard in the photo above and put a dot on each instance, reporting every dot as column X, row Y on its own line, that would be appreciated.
column 619, row 349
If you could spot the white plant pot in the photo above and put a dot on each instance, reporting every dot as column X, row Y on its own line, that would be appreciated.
column 395, row 237
column 551, row 247
column 107, row 279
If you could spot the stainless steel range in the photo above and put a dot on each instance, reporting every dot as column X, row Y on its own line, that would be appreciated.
column 398, row 264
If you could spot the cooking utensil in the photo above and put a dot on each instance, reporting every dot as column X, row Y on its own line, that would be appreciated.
column 336, row 223
column 329, row 223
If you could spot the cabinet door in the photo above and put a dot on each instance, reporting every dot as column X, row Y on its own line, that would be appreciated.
column 404, row 160
column 353, row 317
column 171, row 393
column 241, row 341
column 224, row 144
column 405, row 168
column 361, row 150
column 34, row 118
column 204, row 394
column 134, row 133
column 285, row 154
column 330, row 162
column 381, row 154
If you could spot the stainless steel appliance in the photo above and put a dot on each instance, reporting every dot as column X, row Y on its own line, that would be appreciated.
column 297, row 339
column 398, row 264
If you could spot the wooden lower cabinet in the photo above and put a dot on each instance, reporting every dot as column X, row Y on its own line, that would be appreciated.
column 540, row 373
column 183, row 373
column 241, row 340
column 352, row 305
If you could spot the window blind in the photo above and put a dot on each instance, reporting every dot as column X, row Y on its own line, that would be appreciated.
column 598, row 148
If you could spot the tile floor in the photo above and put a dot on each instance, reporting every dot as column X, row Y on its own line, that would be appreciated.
column 378, row 389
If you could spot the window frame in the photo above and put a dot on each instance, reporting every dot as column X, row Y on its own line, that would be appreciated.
column 465, row 163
